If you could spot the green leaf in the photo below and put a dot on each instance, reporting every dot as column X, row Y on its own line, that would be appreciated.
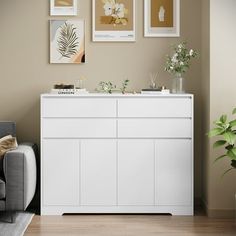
column 68, row 40
column 233, row 164
column 234, row 111
column 219, row 158
column 230, row 137
column 218, row 123
column 219, row 143
column 232, row 123
column 223, row 118
column 215, row 132
column 232, row 153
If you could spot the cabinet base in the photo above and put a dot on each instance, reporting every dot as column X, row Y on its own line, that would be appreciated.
column 173, row 210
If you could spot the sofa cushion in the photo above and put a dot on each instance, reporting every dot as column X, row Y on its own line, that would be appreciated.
column 7, row 143
column 2, row 189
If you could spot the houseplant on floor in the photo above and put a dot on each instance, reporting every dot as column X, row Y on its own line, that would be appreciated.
column 226, row 130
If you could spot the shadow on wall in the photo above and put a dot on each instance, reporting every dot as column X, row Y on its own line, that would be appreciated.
column 28, row 124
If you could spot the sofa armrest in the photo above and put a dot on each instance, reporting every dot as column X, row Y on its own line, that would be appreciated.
column 20, row 173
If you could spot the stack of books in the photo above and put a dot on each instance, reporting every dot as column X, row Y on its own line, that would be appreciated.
column 69, row 91
column 155, row 91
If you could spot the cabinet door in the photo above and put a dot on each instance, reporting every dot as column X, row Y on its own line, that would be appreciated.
column 174, row 172
column 136, row 172
column 98, row 172
column 60, row 168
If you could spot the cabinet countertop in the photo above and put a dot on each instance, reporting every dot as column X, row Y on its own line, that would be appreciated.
column 117, row 95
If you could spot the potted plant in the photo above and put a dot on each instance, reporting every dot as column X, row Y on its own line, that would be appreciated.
column 226, row 131
column 178, row 64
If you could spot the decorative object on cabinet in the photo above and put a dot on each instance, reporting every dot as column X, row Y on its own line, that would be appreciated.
column 67, row 89
column 109, row 87
column 67, row 41
column 124, row 86
column 63, row 86
column 178, row 64
column 161, row 18
column 63, row 7
column 151, row 91
column 226, row 130
column 114, row 20
column 153, row 79
column 107, row 140
column 80, row 83
column 106, row 87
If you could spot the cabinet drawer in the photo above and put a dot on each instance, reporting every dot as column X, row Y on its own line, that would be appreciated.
column 78, row 107
column 155, row 107
column 155, row 128
column 79, row 128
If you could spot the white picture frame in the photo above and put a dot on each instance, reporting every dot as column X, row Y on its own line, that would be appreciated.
column 63, row 9
column 150, row 31
column 112, row 32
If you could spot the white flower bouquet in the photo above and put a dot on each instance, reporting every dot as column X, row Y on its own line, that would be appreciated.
column 115, row 12
column 179, row 63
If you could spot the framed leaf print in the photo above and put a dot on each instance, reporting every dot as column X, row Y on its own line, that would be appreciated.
column 67, row 41
column 114, row 20
column 161, row 18
column 63, row 7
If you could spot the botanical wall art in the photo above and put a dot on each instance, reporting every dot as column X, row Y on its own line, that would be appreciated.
column 162, row 18
column 113, row 20
column 63, row 7
column 67, row 41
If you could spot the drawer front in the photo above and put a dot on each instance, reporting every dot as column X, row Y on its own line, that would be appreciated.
column 155, row 107
column 79, row 128
column 78, row 107
column 155, row 128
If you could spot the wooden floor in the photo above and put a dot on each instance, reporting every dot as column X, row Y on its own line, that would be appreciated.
column 129, row 225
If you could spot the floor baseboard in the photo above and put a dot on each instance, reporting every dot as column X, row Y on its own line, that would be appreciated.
column 218, row 213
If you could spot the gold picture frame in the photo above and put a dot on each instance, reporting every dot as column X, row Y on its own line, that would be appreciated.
column 161, row 18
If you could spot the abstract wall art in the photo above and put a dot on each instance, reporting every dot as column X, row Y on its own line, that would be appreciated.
column 161, row 18
column 67, row 41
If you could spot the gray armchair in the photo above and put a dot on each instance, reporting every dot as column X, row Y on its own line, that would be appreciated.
column 18, row 183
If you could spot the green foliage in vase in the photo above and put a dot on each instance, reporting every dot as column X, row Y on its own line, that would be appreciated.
column 179, row 62
column 124, row 86
column 68, row 40
column 106, row 87
column 109, row 87
column 226, row 130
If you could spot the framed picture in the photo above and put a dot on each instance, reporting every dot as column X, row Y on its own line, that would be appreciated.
column 161, row 18
column 113, row 20
column 63, row 7
column 67, row 41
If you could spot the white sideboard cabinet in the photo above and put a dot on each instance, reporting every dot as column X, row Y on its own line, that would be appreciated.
column 117, row 154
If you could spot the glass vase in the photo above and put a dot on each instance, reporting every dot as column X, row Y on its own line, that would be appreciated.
column 178, row 84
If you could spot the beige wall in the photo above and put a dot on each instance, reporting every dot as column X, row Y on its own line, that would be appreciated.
column 205, row 61
column 219, row 83
column 25, row 72
column 222, row 96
